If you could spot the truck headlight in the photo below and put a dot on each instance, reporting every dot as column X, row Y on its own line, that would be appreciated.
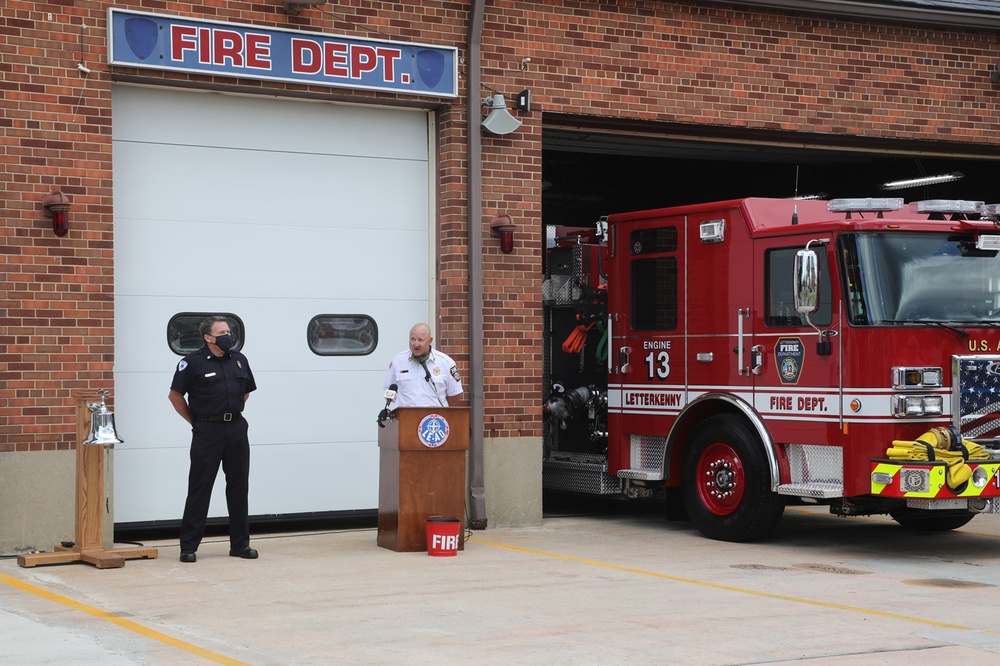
column 979, row 477
column 909, row 406
column 917, row 378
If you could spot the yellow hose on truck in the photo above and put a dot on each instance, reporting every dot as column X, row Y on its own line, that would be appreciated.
column 941, row 444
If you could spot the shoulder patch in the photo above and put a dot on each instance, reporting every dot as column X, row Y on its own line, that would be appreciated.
column 180, row 366
column 454, row 373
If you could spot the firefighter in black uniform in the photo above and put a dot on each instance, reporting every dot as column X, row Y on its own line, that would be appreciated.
column 217, row 382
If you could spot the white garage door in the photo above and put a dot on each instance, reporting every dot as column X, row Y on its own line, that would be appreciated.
column 275, row 211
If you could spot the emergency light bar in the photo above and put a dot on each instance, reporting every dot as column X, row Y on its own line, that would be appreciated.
column 871, row 204
column 951, row 206
column 990, row 211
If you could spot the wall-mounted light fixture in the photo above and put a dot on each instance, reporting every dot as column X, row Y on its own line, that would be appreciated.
column 499, row 121
column 57, row 207
column 295, row 7
column 923, row 180
column 502, row 227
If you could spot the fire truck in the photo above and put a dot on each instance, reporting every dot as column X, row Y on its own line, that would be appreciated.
column 741, row 356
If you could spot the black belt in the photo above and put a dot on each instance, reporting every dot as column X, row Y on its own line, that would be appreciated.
column 228, row 416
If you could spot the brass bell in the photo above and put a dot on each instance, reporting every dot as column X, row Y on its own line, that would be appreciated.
column 102, row 423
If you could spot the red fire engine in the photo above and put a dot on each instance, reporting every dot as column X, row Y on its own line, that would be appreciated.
column 746, row 355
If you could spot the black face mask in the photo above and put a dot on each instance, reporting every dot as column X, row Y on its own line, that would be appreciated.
column 224, row 342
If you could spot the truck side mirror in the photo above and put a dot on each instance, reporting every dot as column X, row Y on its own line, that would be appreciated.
column 806, row 278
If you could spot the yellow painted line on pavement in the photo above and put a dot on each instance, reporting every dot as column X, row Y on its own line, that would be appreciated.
column 729, row 588
column 120, row 621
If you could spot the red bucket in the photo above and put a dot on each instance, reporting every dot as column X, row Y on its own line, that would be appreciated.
column 443, row 535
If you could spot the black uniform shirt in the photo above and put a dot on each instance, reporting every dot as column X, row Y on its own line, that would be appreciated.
column 214, row 384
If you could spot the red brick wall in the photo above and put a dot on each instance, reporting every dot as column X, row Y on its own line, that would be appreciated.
column 709, row 63
column 57, row 307
column 677, row 62
column 512, row 283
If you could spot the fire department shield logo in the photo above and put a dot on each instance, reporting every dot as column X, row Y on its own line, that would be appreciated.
column 433, row 431
column 430, row 67
column 141, row 35
column 789, row 354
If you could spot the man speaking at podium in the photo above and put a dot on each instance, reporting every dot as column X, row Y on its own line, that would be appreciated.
column 424, row 376
column 421, row 469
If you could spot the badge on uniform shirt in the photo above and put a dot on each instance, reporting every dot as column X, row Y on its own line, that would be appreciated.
column 239, row 365
column 437, row 371
column 454, row 373
column 180, row 366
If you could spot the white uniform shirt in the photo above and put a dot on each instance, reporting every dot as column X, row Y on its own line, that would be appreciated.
column 414, row 389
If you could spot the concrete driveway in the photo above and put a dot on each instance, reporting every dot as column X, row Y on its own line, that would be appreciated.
column 607, row 587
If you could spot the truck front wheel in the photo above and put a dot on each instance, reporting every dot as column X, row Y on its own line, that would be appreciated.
column 726, row 482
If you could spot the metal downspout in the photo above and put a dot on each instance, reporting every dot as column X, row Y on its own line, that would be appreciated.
column 477, row 517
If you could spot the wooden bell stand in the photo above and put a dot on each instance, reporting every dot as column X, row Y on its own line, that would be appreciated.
column 90, row 507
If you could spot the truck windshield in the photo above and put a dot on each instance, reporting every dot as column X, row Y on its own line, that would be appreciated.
column 894, row 278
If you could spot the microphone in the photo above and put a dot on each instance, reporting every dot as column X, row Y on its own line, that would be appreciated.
column 390, row 395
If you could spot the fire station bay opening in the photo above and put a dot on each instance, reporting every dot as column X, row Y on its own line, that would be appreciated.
column 587, row 173
column 593, row 168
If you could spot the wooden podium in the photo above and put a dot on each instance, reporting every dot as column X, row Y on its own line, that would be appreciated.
column 419, row 474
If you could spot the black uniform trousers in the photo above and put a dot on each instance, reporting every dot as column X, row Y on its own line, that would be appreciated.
column 212, row 443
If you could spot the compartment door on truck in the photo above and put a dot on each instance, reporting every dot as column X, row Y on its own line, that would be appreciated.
column 647, row 381
column 719, row 303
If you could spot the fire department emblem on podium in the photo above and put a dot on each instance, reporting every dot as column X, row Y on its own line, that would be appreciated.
column 433, row 431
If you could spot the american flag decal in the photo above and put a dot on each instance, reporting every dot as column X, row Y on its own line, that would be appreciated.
column 979, row 397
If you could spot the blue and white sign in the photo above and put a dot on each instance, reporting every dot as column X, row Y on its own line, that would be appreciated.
column 433, row 431
column 155, row 41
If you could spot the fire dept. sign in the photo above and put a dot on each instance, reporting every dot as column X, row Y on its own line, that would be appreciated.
column 789, row 354
column 229, row 49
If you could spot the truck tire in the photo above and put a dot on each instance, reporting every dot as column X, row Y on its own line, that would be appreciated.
column 931, row 521
column 727, row 484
